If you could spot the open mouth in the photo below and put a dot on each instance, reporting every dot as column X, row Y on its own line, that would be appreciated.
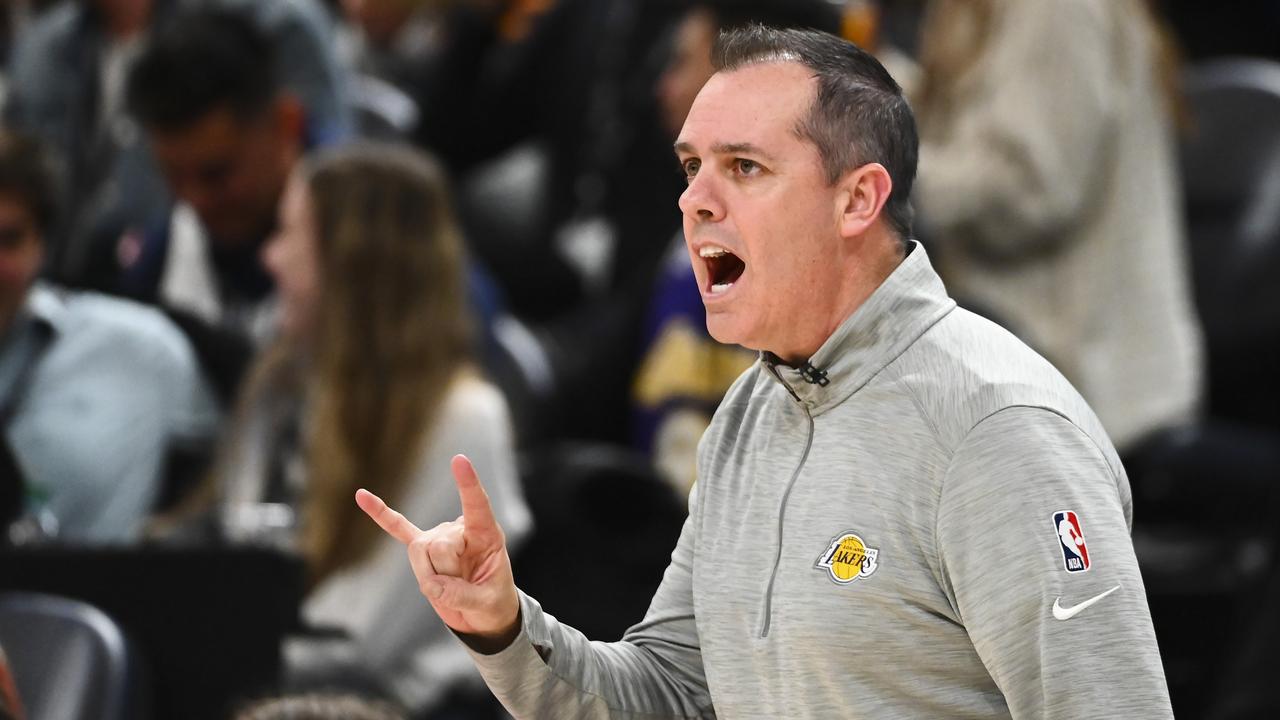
column 723, row 268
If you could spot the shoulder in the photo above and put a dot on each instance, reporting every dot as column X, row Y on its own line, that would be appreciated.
column 43, row 40
column 1036, row 444
column 1088, row 13
column 472, row 418
column 967, row 368
column 472, row 398
column 738, row 396
column 52, row 28
column 142, row 255
column 117, row 327
column 739, row 409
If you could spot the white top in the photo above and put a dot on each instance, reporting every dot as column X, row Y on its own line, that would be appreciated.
column 393, row 633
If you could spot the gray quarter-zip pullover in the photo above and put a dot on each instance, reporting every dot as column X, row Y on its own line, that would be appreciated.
column 925, row 521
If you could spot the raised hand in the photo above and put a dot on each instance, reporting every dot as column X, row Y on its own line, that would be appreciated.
column 462, row 566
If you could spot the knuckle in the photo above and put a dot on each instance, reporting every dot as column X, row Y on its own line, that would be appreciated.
column 420, row 558
column 420, row 544
column 444, row 548
column 436, row 551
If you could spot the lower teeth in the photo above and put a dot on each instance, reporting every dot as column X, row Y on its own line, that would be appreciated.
column 716, row 289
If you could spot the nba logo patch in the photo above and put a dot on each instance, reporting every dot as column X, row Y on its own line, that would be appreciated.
column 1075, row 554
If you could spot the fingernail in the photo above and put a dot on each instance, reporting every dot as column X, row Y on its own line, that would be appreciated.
column 435, row 590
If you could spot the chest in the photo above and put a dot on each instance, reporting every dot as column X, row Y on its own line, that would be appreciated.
column 816, row 547
column 89, row 416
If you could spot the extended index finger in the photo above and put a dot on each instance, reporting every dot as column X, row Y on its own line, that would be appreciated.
column 396, row 525
column 477, row 514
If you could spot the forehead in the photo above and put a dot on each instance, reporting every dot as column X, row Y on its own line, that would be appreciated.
column 212, row 136
column 758, row 104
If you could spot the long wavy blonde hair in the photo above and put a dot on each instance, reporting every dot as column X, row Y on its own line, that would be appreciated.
column 391, row 334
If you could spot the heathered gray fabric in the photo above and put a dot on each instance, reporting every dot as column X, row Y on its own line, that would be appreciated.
column 947, row 446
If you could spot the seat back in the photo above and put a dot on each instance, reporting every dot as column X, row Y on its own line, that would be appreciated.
column 1231, row 179
column 607, row 508
column 70, row 661
column 1205, row 495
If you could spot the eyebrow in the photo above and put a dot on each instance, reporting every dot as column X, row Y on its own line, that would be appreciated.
column 743, row 148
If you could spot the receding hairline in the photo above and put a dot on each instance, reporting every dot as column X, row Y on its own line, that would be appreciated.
column 773, row 56
column 811, row 73
column 732, row 147
column 779, row 57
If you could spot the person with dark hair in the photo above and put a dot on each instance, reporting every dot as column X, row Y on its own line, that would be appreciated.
column 901, row 510
column 226, row 135
column 69, row 70
column 210, row 92
column 95, row 392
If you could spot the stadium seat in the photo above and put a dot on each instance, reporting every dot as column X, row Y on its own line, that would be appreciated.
column 1206, row 494
column 70, row 660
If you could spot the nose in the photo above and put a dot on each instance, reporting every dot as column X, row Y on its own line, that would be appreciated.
column 701, row 200
column 270, row 256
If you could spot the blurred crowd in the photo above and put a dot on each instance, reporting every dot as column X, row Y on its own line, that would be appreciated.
column 256, row 254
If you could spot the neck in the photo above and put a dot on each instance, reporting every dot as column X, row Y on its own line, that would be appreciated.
column 871, row 260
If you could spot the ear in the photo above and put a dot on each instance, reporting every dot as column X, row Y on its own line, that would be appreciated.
column 864, row 191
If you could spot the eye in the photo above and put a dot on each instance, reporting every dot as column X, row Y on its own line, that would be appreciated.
column 747, row 167
column 690, row 167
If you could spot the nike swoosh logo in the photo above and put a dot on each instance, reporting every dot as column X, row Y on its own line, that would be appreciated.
column 1066, row 613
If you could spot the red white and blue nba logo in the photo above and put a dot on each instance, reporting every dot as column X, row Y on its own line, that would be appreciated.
column 1075, row 554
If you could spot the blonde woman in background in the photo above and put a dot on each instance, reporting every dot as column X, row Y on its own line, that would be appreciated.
column 1049, row 187
column 370, row 385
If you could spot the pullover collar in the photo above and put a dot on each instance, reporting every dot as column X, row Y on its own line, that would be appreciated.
column 905, row 305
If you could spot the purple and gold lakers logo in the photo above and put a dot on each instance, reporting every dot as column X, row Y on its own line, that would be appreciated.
column 848, row 558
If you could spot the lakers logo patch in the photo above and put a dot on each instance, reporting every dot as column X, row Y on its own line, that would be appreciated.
column 848, row 558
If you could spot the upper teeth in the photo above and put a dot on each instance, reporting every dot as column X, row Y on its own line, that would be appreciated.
column 711, row 251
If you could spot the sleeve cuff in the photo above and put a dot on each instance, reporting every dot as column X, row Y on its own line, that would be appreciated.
column 523, row 658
